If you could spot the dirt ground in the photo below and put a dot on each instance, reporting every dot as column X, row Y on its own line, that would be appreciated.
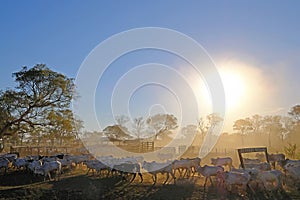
column 77, row 185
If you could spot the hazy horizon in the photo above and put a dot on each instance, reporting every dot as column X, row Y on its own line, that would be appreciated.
column 254, row 45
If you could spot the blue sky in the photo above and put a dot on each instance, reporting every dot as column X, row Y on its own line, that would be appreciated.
column 263, row 35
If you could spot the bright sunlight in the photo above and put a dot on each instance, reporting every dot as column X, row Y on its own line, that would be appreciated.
column 234, row 87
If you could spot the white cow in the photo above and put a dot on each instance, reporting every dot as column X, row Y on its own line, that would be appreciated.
column 227, row 161
column 4, row 163
column 276, row 158
column 155, row 168
column 94, row 165
column 187, row 164
column 129, row 168
column 180, row 165
column 270, row 180
column 33, row 164
column 209, row 171
column 20, row 163
column 48, row 167
column 259, row 166
column 232, row 178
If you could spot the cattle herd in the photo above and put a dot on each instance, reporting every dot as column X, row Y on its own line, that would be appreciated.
column 255, row 175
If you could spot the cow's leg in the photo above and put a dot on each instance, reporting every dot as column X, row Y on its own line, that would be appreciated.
column 166, row 179
column 173, row 176
column 141, row 176
column 88, row 171
column 205, row 182
column 211, row 180
column 134, row 175
column 155, row 178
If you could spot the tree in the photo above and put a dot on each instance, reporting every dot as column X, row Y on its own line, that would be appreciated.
column 139, row 125
column 63, row 126
column 257, row 123
column 295, row 115
column 23, row 131
column 122, row 120
column 272, row 126
column 162, row 123
column 189, row 131
column 202, row 127
column 295, row 112
column 287, row 125
column 210, row 123
column 38, row 134
column 115, row 132
column 243, row 126
column 8, row 109
column 39, row 91
column 290, row 150
column 214, row 120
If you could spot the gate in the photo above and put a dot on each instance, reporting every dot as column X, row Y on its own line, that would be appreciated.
column 147, row 146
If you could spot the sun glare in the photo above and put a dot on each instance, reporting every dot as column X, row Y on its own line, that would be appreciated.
column 247, row 90
column 234, row 87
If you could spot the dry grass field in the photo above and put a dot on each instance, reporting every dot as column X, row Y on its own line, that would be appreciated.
column 76, row 184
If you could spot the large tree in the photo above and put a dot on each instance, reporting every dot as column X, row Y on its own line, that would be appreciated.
column 209, row 123
column 162, row 123
column 295, row 115
column 38, row 91
column 116, row 132
column 272, row 127
column 213, row 120
column 243, row 126
column 138, row 126
column 122, row 120
column 257, row 123
column 202, row 126
column 287, row 126
column 295, row 112
column 63, row 126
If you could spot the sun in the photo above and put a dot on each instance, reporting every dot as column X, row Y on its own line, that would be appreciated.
column 234, row 87
column 240, row 81
column 247, row 90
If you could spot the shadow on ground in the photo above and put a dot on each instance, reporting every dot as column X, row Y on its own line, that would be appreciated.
column 19, row 185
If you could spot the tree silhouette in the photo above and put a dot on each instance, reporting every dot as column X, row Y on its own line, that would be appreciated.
column 162, row 123
column 257, row 123
column 116, row 132
column 139, row 125
column 213, row 120
column 286, row 128
column 295, row 113
column 243, row 126
column 122, row 120
column 39, row 90
column 202, row 127
column 272, row 126
column 63, row 127
column 290, row 150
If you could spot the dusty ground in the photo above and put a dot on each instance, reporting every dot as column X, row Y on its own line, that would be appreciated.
column 78, row 185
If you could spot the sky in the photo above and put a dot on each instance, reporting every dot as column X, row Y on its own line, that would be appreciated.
column 254, row 44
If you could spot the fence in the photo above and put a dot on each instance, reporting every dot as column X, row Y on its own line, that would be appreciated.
column 41, row 150
column 138, row 147
column 147, row 146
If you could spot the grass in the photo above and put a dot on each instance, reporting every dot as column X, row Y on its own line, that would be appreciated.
column 77, row 185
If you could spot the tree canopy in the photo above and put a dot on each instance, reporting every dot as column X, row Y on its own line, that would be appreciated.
column 40, row 95
column 139, row 128
column 162, row 123
column 116, row 132
column 295, row 112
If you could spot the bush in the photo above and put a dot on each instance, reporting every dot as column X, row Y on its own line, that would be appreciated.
column 290, row 150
